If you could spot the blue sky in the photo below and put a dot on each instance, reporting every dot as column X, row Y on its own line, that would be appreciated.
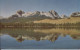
column 9, row 7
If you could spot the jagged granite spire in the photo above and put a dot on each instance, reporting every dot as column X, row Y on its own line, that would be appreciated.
column 54, row 14
column 75, row 14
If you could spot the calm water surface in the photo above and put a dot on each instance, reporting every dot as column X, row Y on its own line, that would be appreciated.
column 57, row 38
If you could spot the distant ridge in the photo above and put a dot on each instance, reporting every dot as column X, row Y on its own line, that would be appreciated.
column 41, row 17
column 51, row 14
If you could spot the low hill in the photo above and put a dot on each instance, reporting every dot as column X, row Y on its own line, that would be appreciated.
column 23, row 19
column 60, row 21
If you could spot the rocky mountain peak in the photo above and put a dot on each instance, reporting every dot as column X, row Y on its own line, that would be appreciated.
column 37, row 12
column 64, row 16
column 52, row 11
column 20, row 12
column 75, row 14
column 54, row 14
column 51, row 14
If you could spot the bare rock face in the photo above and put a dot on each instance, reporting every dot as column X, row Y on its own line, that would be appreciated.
column 14, row 16
column 36, row 13
column 27, row 14
column 20, row 12
column 52, row 14
column 75, row 14
column 64, row 16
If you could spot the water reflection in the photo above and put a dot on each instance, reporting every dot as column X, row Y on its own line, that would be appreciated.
column 52, row 34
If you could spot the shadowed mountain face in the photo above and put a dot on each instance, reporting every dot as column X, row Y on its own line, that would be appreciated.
column 50, row 17
column 41, row 34
column 75, row 14
column 64, row 16
column 51, row 14
column 31, row 16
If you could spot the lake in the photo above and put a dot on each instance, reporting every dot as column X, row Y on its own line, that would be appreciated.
column 34, row 38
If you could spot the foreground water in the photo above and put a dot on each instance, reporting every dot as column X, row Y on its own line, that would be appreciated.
column 53, row 38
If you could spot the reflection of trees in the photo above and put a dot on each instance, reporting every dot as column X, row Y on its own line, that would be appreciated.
column 77, row 37
column 77, row 24
column 40, row 34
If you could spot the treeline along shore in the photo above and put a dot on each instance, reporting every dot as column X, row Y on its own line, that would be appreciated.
column 38, row 25
column 39, row 19
column 25, row 25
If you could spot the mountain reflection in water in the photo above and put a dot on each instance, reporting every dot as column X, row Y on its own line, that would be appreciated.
column 40, row 34
column 40, row 38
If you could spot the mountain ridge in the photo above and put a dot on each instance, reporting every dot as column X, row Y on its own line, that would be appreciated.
column 40, row 17
column 51, row 14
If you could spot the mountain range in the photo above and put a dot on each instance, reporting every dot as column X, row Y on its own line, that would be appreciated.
column 51, row 14
column 41, row 17
column 41, row 14
column 75, row 14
